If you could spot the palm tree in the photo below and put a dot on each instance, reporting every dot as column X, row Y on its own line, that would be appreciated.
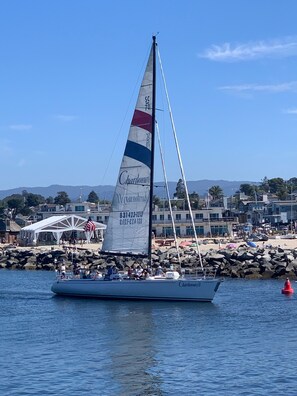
column 216, row 192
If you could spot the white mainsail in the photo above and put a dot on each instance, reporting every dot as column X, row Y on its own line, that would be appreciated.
column 128, row 225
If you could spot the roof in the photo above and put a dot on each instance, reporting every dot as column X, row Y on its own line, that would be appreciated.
column 14, row 227
column 61, row 223
column 9, row 226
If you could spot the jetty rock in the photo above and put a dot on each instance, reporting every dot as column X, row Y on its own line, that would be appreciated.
column 236, row 263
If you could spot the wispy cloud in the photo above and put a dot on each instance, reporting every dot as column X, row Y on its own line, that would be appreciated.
column 20, row 127
column 290, row 111
column 249, row 51
column 274, row 88
column 65, row 118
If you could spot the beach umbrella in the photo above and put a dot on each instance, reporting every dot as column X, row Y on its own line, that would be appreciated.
column 251, row 244
column 185, row 243
column 231, row 246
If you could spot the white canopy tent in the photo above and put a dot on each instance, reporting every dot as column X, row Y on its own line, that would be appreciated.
column 57, row 225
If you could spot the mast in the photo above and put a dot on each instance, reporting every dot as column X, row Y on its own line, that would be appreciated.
column 152, row 152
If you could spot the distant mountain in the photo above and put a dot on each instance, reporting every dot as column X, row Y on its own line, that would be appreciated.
column 105, row 192
column 202, row 186
column 74, row 192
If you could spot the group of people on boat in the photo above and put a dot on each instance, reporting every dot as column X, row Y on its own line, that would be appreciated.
column 135, row 272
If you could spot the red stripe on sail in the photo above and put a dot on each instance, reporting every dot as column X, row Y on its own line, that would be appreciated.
column 142, row 120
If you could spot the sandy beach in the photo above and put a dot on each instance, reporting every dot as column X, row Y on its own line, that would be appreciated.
column 204, row 245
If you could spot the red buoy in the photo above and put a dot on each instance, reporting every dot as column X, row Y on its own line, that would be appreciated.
column 288, row 289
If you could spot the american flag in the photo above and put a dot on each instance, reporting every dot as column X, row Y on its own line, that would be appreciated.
column 90, row 226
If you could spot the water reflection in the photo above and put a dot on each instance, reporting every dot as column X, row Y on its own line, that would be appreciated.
column 138, row 333
column 119, row 340
column 132, row 348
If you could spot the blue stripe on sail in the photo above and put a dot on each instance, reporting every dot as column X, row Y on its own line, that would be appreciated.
column 138, row 152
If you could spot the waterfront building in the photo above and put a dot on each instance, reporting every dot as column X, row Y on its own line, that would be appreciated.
column 211, row 222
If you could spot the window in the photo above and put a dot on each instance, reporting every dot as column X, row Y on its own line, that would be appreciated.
column 219, row 230
column 79, row 208
column 199, row 216
column 161, row 217
column 154, row 217
column 199, row 231
column 178, row 216
column 167, row 231
column 169, row 217
column 213, row 215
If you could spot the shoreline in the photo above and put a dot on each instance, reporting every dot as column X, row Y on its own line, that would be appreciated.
column 205, row 244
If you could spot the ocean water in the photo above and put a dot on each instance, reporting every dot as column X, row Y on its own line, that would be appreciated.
column 244, row 343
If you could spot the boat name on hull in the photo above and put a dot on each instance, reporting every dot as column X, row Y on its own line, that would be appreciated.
column 189, row 284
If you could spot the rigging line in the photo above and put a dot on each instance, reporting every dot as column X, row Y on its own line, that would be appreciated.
column 180, row 162
column 168, row 195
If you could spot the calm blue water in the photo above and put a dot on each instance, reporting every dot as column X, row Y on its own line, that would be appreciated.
column 244, row 343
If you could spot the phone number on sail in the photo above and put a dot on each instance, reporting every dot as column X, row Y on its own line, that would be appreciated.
column 130, row 218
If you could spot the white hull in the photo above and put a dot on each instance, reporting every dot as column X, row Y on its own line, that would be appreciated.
column 155, row 289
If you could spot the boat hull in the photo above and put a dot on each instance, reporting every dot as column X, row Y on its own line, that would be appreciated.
column 167, row 290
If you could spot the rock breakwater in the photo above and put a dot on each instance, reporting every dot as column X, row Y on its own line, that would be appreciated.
column 242, row 262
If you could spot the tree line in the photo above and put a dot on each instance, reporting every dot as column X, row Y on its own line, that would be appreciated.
column 277, row 186
column 25, row 202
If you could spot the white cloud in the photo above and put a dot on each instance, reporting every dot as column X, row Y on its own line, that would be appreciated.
column 290, row 111
column 20, row 127
column 249, row 51
column 284, row 87
column 65, row 118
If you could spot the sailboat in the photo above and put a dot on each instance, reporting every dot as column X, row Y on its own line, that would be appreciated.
column 129, row 228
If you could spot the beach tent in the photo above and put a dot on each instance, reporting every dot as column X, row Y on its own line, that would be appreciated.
column 56, row 225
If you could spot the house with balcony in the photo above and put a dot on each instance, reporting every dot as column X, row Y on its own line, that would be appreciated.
column 208, row 222
column 282, row 212
column 274, row 212
column 99, row 213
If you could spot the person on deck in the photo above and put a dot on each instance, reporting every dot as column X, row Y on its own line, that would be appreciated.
column 109, row 272
column 159, row 271
column 130, row 273
column 138, row 272
column 63, row 269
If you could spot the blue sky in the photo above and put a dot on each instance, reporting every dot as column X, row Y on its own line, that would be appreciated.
column 69, row 76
